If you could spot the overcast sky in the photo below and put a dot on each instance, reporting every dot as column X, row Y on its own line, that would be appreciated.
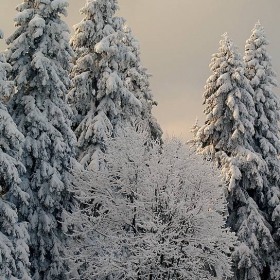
column 177, row 40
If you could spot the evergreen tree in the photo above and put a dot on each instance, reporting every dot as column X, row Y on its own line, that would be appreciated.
column 227, row 138
column 111, row 87
column 39, row 53
column 14, row 253
column 267, row 132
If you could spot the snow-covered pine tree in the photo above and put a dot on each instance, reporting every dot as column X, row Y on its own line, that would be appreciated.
column 161, row 214
column 226, row 137
column 110, row 85
column 39, row 53
column 262, row 77
column 14, row 252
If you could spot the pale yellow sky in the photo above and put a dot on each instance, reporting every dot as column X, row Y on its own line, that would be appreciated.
column 177, row 40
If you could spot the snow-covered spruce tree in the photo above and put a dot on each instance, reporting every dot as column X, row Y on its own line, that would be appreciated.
column 160, row 215
column 110, row 85
column 227, row 138
column 39, row 53
column 267, row 137
column 14, row 253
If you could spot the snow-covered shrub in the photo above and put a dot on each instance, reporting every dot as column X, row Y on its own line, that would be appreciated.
column 156, row 212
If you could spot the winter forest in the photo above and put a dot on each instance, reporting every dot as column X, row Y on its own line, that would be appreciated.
column 90, row 189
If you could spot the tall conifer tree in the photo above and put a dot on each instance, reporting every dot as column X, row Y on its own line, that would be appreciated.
column 39, row 53
column 227, row 138
column 14, row 252
column 262, row 77
column 110, row 85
